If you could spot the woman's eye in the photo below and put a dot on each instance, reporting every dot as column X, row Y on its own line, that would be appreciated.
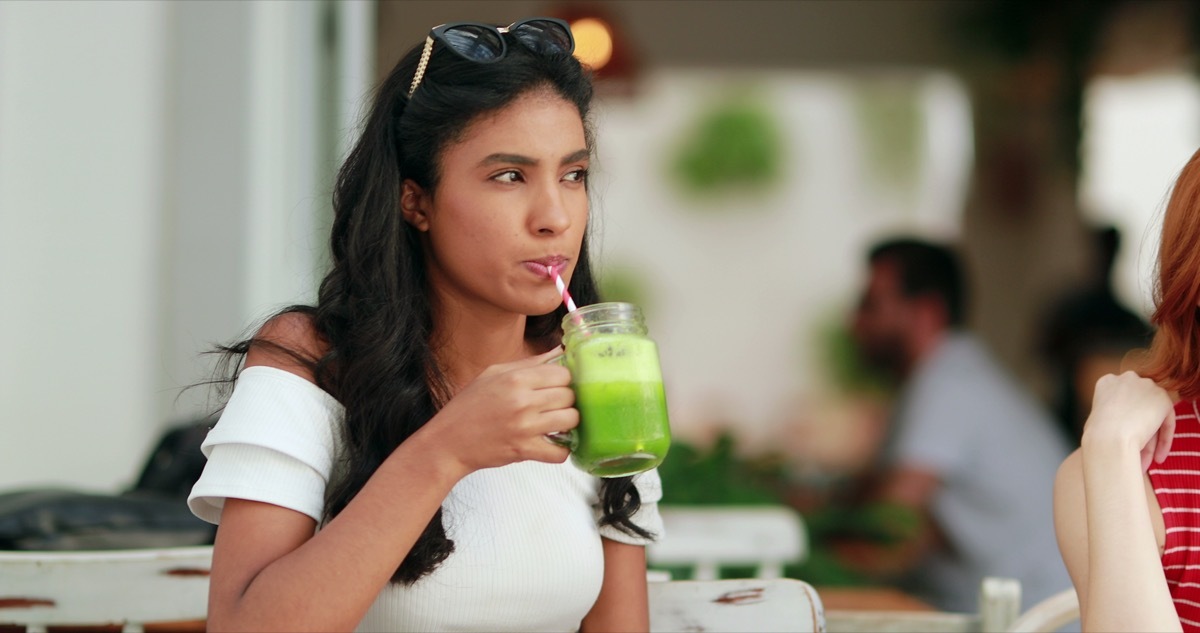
column 508, row 176
column 579, row 175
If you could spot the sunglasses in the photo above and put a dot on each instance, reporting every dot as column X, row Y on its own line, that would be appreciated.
column 484, row 43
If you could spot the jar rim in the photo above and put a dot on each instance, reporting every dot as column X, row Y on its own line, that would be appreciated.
column 606, row 311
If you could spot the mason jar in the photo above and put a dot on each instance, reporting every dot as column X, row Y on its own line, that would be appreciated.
column 615, row 373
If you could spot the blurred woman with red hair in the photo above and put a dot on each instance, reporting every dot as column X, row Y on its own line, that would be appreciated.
column 1127, row 502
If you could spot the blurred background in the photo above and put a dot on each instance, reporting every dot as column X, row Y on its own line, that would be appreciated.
column 165, row 175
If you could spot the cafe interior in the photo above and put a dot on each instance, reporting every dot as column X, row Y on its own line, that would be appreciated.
column 165, row 180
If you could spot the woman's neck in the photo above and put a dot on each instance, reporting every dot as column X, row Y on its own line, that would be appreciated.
column 466, row 343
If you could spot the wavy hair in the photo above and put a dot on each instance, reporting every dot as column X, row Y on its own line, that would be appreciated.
column 1173, row 360
column 374, row 309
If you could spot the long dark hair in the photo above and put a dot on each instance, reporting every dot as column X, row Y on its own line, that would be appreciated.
column 374, row 310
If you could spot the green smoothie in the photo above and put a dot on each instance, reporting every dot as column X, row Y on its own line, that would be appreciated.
column 623, row 426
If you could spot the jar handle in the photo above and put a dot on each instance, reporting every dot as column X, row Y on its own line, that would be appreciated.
column 566, row 439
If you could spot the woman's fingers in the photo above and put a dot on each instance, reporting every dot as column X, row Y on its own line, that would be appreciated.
column 555, row 421
column 554, row 398
column 525, row 363
column 1156, row 449
column 543, row 450
column 1166, row 434
column 510, row 408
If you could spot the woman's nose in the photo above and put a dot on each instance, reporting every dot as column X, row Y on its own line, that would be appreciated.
column 550, row 214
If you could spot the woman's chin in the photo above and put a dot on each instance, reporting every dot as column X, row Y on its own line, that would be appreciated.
column 543, row 308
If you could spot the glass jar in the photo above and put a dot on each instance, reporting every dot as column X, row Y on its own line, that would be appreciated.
column 615, row 373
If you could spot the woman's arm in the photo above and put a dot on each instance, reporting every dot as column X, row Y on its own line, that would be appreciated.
column 271, row 572
column 1103, row 515
column 1070, row 524
column 623, row 603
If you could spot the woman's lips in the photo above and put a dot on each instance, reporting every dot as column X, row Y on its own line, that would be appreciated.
column 546, row 267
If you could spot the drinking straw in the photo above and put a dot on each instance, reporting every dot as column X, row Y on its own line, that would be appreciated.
column 552, row 271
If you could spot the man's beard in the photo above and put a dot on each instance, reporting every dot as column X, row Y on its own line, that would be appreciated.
column 885, row 356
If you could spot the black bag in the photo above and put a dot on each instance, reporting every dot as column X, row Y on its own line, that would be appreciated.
column 153, row 513
column 176, row 462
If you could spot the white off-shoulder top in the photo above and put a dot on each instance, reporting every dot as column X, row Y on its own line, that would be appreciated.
column 527, row 552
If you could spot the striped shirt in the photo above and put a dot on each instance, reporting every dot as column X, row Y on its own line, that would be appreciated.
column 1176, row 484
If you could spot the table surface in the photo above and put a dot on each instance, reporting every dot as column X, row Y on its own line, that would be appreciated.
column 832, row 599
column 869, row 599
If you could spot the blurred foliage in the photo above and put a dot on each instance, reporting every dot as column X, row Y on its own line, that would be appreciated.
column 623, row 284
column 845, row 365
column 735, row 145
column 884, row 523
column 717, row 475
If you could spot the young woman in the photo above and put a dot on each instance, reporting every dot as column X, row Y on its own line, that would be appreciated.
column 382, row 462
column 1127, row 503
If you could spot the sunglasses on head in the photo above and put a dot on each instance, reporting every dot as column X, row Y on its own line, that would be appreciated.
column 484, row 43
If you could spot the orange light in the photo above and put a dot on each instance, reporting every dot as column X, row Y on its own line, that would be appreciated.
column 593, row 42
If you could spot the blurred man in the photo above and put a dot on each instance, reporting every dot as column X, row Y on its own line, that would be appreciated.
column 1087, row 333
column 969, row 452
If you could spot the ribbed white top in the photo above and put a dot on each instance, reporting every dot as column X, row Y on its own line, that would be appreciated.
column 527, row 543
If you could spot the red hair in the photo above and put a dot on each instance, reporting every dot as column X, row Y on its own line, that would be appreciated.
column 1173, row 360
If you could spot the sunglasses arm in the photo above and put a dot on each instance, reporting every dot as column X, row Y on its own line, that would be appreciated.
column 420, row 73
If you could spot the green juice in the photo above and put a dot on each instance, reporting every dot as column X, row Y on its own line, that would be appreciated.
column 623, row 426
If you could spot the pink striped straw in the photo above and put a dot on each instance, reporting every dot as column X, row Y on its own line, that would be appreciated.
column 552, row 271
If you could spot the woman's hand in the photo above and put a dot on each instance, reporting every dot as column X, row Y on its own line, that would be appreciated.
column 1104, row 515
column 504, row 415
column 1134, row 409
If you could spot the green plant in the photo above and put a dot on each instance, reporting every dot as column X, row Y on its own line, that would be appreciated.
column 845, row 364
column 718, row 475
column 735, row 145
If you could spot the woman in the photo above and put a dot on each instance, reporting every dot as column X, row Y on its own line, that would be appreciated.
column 382, row 462
column 1127, row 503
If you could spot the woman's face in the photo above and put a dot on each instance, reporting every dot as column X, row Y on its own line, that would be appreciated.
column 511, row 201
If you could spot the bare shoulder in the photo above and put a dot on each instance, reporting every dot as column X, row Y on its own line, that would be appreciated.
column 289, row 341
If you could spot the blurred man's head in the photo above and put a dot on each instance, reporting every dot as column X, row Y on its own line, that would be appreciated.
column 914, row 294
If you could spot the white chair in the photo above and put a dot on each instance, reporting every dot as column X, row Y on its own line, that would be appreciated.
column 707, row 537
column 733, row 605
column 999, row 605
column 1049, row 615
column 657, row 575
column 123, row 587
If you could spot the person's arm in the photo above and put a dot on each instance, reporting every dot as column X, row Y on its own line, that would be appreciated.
column 1102, row 513
column 623, row 604
column 1070, row 524
column 271, row 572
column 908, row 488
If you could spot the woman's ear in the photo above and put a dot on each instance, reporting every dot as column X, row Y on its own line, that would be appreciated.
column 414, row 205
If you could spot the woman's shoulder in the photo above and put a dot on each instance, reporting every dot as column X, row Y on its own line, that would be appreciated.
column 289, row 341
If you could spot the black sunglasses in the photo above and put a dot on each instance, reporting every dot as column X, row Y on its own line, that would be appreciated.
column 484, row 43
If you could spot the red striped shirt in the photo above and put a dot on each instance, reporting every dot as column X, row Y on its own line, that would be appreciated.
column 1176, row 484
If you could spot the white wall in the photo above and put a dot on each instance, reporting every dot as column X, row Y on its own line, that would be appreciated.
column 741, row 287
column 1141, row 132
column 82, row 116
column 163, row 178
column 244, row 145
